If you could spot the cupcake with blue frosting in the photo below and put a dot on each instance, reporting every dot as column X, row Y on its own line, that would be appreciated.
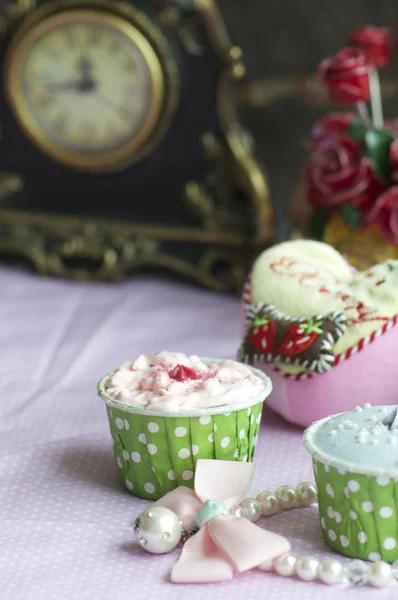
column 355, row 459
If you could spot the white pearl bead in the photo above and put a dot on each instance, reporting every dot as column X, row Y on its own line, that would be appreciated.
column 238, row 511
column 285, row 564
column 307, row 568
column 267, row 565
column 380, row 574
column 158, row 530
column 253, row 509
column 268, row 503
column 306, row 493
column 330, row 571
column 286, row 497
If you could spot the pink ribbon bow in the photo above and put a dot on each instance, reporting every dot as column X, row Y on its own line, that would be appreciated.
column 224, row 544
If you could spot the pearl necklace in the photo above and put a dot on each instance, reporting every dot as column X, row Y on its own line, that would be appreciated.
column 308, row 568
column 148, row 529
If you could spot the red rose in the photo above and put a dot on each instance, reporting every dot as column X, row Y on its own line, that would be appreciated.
column 394, row 159
column 375, row 43
column 346, row 76
column 335, row 123
column 385, row 212
column 338, row 174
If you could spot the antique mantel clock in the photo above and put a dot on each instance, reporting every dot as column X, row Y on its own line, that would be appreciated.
column 120, row 144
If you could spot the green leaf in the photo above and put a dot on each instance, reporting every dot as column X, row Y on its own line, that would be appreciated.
column 378, row 142
column 356, row 130
column 318, row 221
column 351, row 215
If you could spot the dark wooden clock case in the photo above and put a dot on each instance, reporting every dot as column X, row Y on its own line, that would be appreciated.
column 198, row 204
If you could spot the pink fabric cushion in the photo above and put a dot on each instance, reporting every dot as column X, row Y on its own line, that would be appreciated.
column 368, row 376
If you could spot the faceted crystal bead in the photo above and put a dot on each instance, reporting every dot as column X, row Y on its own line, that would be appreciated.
column 394, row 569
column 356, row 573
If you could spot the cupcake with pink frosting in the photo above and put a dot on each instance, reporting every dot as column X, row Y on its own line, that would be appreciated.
column 168, row 410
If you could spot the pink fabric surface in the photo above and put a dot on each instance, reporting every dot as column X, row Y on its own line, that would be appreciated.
column 367, row 376
column 65, row 523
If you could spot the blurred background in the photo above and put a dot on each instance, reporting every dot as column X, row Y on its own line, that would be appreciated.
column 283, row 43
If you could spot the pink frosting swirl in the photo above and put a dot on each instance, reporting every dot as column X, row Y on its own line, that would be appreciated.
column 171, row 381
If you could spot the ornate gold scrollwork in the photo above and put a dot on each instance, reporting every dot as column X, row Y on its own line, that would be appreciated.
column 78, row 249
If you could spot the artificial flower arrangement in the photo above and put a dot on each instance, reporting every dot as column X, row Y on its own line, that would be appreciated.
column 352, row 169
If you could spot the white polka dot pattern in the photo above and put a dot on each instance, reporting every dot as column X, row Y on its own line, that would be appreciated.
column 65, row 521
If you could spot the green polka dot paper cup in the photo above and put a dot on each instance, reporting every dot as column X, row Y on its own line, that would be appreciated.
column 358, row 507
column 155, row 452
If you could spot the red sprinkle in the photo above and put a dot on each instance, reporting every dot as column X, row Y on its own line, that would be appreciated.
column 181, row 373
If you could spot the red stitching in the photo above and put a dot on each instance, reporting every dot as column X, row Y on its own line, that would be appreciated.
column 389, row 324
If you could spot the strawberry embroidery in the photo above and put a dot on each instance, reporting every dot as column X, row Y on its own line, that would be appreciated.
column 272, row 336
column 263, row 334
column 300, row 337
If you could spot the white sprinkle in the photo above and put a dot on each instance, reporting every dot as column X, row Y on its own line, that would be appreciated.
column 367, row 405
column 333, row 432
column 340, row 426
column 347, row 424
column 358, row 408
column 374, row 442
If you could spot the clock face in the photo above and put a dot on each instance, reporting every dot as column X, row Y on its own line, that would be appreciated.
column 87, row 87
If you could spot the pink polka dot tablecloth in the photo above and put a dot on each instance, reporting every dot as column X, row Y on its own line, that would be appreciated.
column 65, row 522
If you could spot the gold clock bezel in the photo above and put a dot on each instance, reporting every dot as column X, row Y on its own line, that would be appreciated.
column 155, row 51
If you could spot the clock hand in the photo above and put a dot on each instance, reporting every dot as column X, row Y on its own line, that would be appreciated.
column 112, row 105
column 63, row 85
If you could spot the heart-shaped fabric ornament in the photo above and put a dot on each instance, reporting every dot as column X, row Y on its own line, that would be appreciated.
column 274, row 336
column 307, row 282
